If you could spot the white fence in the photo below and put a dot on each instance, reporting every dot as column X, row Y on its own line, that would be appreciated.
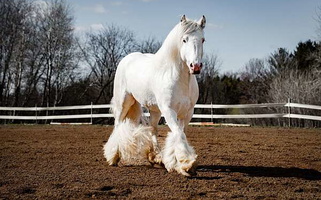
column 51, row 117
column 12, row 112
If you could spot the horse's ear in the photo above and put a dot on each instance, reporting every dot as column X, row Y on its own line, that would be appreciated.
column 202, row 22
column 183, row 19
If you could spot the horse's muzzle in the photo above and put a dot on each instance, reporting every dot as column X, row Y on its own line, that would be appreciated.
column 197, row 72
column 196, row 68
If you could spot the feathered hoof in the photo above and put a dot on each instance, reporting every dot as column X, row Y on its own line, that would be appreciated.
column 112, row 157
column 113, row 162
column 187, row 167
column 155, row 158
column 179, row 156
column 111, row 152
column 158, row 159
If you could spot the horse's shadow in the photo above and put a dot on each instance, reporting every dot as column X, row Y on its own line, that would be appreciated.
column 259, row 171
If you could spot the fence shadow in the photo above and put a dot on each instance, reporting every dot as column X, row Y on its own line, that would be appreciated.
column 258, row 171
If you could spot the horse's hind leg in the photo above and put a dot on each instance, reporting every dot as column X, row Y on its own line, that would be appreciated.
column 134, row 113
column 120, row 110
column 155, row 157
column 121, row 107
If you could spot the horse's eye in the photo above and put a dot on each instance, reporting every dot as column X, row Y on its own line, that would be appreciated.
column 203, row 40
column 185, row 39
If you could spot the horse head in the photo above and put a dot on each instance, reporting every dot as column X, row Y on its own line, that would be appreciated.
column 191, row 44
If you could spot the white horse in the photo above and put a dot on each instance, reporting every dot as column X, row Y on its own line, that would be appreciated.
column 165, row 84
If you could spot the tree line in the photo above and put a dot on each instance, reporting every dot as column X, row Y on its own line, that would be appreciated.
column 281, row 77
column 44, row 62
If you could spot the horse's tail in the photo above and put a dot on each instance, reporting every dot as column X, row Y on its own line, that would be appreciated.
column 112, row 106
column 129, row 142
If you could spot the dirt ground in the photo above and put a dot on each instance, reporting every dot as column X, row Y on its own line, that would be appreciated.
column 66, row 162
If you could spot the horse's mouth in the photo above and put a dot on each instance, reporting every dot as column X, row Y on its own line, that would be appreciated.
column 194, row 72
column 195, row 69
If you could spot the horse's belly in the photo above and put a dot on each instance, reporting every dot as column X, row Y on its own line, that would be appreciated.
column 148, row 101
column 153, row 108
column 145, row 97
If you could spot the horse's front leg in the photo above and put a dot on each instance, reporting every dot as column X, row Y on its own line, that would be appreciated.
column 177, row 154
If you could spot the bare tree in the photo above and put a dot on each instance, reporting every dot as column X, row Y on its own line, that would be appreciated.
column 317, row 55
column 14, row 33
column 207, row 88
column 301, row 87
column 58, row 49
column 34, row 58
column 318, row 20
column 255, row 81
column 150, row 45
column 102, row 53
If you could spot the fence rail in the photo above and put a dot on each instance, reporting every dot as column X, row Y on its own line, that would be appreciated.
column 199, row 116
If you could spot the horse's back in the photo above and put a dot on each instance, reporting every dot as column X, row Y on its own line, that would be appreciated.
column 134, row 59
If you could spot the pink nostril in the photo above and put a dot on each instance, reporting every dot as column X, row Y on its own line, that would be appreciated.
column 200, row 65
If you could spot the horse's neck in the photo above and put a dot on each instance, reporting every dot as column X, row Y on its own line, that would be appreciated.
column 170, row 47
column 169, row 56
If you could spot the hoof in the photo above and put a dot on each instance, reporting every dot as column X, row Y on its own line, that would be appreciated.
column 158, row 159
column 113, row 162
column 155, row 159
column 187, row 168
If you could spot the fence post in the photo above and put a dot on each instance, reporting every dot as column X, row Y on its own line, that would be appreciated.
column 13, row 114
column 212, row 112
column 289, row 111
column 36, row 115
column 47, row 112
column 91, row 113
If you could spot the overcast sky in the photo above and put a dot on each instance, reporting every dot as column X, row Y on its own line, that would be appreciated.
column 237, row 30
